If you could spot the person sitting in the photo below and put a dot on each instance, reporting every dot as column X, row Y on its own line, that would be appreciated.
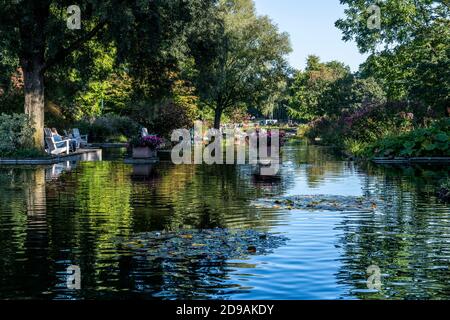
column 57, row 137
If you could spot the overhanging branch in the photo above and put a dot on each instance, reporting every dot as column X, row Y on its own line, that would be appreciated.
column 64, row 52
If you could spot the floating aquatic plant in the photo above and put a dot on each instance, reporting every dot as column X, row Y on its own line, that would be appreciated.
column 201, row 246
column 319, row 202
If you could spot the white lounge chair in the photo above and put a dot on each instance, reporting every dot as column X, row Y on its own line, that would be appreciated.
column 82, row 139
column 47, row 132
column 57, row 147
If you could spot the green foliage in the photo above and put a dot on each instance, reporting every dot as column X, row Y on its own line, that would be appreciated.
column 401, row 21
column 110, row 95
column 172, row 116
column 417, row 71
column 238, row 115
column 410, row 54
column 91, row 87
column 11, row 87
column 349, row 94
column 355, row 147
column 302, row 130
column 310, row 86
column 16, row 136
column 245, row 63
column 109, row 128
column 129, row 56
column 27, row 153
column 404, row 83
column 367, row 124
column 125, row 49
column 422, row 142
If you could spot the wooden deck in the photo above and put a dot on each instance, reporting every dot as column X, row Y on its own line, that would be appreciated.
column 108, row 145
column 87, row 154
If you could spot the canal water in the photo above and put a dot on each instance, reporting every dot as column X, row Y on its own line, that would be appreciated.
column 78, row 213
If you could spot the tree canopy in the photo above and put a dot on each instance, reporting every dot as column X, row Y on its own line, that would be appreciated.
column 148, row 36
column 247, row 66
column 310, row 85
column 410, row 53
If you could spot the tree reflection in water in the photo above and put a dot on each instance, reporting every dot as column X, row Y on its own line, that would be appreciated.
column 407, row 240
column 75, row 217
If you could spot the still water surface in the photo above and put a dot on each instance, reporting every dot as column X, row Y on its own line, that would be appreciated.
column 74, row 214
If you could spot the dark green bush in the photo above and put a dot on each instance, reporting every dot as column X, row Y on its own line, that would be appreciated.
column 16, row 137
column 433, row 141
column 172, row 116
column 109, row 128
column 367, row 124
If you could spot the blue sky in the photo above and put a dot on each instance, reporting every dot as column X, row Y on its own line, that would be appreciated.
column 310, row 24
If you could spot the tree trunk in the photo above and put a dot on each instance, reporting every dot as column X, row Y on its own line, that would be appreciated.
column 35, row 194
column 34, row 97
column 217, row 117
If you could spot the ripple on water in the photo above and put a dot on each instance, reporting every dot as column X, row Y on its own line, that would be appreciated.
column 51, row 219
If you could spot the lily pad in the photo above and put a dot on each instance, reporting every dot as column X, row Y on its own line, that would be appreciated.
column 320, row 203
column 201, row 246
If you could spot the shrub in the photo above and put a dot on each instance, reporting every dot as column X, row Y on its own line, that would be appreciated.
column 326, row 129
column 355, row 147
column 302, row 130
column 433, row 141
column 172, row 116
column 16, row 136
column 110, row 128
column 368, row 124
column 374, row 121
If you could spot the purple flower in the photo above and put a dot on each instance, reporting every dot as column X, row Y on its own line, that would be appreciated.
column 152, row 142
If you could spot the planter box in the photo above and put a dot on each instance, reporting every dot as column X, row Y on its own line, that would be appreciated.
column 144, row 153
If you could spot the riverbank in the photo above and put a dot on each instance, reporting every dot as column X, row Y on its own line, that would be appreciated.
column 419, row 145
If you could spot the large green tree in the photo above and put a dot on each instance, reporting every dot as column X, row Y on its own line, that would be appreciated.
column 410, row 52
column 245, row 63
column 350, row 93
column 309, row 86
column 147, row 34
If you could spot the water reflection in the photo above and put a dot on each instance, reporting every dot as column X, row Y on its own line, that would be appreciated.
column 24, row 232
column 408, row 238
column 144, row 172
column 73, row 213
column 54, row 171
